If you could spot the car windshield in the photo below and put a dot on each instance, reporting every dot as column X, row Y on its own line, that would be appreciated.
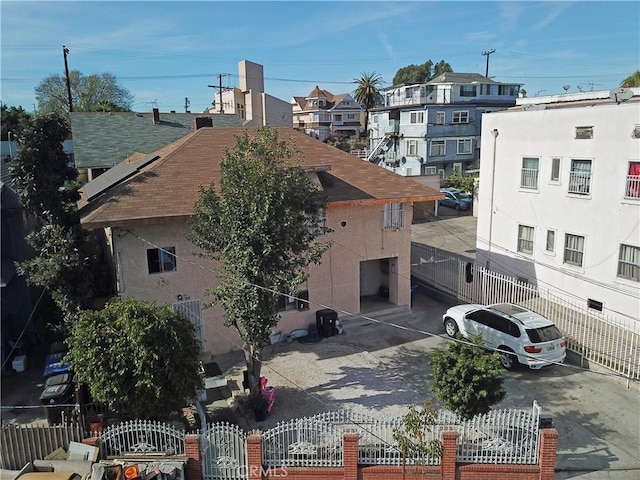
column 457, row 195
column 544, row 334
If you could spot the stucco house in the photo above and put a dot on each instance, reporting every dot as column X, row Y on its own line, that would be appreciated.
column 249, row 101
column 143, row 212
column 559, row 198
column 434, row 128
column 322, row 114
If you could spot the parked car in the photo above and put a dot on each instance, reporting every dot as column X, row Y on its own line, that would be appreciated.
column 454, row 198
column 520, row 335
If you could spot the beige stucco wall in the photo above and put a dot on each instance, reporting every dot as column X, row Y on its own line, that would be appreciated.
column 334, row 284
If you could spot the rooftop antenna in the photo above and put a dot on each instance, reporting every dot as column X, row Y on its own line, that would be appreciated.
column 566, row 88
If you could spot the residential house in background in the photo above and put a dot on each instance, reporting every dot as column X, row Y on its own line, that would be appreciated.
column 249, row 102
column 434, row 127
column 144, row 209
column 321, row 114
column 559, row 198
column 104, row 139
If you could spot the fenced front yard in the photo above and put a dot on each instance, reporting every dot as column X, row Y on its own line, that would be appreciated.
column 594, row 336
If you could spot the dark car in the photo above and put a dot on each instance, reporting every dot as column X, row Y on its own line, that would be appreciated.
column 454, row 198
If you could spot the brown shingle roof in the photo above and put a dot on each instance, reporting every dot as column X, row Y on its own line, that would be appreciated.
column 168, row 187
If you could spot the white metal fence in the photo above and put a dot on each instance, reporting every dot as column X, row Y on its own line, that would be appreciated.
column 595, row 336
column 223, row 449
column 141, row 436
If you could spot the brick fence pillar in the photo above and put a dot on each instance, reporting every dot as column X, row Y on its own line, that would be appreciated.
column 548, row 451
column 350, row 454
column 254, row 455
column 449, row 452
column 194, row 463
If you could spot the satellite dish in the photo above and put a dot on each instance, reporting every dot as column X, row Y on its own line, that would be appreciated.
column 566, row 87
column 620, row 95
column 580, row 86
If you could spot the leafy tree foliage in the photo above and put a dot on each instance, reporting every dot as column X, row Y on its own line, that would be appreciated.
column 464, row 183
column 88, row 93
column 47, row 188
column 413, row 441
column 420, row 73
column 467, row 378
column 136, row 358
column 12, row 120
column 258, row 226
column 368, row 94
column 632, row 80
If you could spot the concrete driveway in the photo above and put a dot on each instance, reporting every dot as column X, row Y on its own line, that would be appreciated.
column 380, row 366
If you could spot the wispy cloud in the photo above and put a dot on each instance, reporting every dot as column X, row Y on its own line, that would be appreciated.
column 556, row 9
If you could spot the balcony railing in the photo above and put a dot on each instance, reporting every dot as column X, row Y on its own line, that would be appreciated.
column 580, row 183
column 633, row 187
column 529, row 178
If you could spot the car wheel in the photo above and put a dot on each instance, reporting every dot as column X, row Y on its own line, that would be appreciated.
column 451, row 327
column 508, row 360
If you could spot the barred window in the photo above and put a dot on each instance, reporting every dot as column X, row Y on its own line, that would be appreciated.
column 629, row 262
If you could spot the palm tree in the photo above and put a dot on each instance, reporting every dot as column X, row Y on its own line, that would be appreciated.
column 368, row 94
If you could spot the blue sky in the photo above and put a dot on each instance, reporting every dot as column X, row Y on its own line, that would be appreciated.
column 165, row 51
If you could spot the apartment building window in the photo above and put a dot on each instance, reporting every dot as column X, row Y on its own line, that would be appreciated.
column 573, row 249
column 464, row 146
column 467, row 90
column 416, row 117
column 161, row 260
column 555, row 169
column 461, row 116
column 437, row 148
column 457, row 169
column 584, row 133
column 489, row 89
column 393, row 216
column 550, row 245
column 430, row 171
column 629, row 262
column 529, row 173
column 440, row 118
column 525, row 239
column 632, row 189
column 580, row 177
column 412, row 147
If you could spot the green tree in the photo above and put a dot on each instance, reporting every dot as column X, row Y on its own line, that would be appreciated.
column 368, row 94
column 467, row 378
column 47, row 188
column 412, row 74
column 464, row 183
column 88, row 93
column 415, row 441
column 258, row 226
column 12, row 120
column 138, row 359
column 632, row 80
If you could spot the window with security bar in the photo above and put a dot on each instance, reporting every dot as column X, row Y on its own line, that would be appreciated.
column 580, row 177
column 393, row 216
column 629, row 262
column 529, row 173
column 573, row 249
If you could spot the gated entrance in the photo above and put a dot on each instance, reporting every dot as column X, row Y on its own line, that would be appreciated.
column 224, row 453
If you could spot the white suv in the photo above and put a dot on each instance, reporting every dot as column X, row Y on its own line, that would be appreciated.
column 520, row 335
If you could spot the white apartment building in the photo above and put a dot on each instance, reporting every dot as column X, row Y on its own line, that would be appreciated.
column 559, row 198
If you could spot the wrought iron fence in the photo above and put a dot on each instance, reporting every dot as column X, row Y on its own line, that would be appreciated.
column 141, row 436
column 223, row 450
column 595, row 336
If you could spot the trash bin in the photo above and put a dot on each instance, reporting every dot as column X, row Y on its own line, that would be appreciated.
column 58, row 392
column 326, row 322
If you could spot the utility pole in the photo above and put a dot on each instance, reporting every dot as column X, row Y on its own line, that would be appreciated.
column 186, row 104
column 220, row 89
column 487, row 53
column 65, row 52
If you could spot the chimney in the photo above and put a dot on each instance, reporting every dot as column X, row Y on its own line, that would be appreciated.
column 200, row 122
column 156, row 116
